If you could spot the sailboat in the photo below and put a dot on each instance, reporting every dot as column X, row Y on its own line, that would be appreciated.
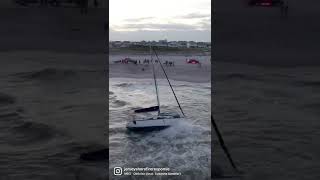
column 161, row 120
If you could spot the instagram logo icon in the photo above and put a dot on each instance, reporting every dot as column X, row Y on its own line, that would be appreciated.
column 117, row 171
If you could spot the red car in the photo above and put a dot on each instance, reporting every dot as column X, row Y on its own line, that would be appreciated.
column 192, row 61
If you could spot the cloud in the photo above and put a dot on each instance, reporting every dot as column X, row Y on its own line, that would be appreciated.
column 174, row 29
column 194, row 16
column 138, row 19
column 205, row 24
column 156, row 27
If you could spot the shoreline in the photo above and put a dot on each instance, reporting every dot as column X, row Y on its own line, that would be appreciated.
column 145, row 51
column 171, row 79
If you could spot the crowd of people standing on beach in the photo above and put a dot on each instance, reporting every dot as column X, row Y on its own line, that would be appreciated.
column 148, row 61
column 145, row 61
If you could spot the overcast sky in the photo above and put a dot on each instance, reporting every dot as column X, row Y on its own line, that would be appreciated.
column 136, row 20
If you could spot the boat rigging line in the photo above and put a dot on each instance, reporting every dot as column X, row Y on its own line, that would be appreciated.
column 168, row 81
column 224, row 147
column 155, row 81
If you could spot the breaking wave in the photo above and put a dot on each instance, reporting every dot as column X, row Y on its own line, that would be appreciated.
column 238, row 76
column 123, row 85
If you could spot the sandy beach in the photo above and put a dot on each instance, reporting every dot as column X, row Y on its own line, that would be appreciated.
column 181, row 71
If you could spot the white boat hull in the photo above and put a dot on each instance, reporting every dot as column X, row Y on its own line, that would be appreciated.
column 151, row 124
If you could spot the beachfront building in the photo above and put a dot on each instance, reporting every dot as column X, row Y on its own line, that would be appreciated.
column 202, row 45
column 115, row 44
column 208, row 45
column 153, row 43
column 125, row 44
column 182, row 44
column 173, row 44
column 110, row 45
column 144, row 43
column 136, row 43
column 160, row 43
column 191, row 44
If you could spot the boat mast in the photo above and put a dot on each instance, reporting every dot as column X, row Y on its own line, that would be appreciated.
column 155, row 81
column 168, row 82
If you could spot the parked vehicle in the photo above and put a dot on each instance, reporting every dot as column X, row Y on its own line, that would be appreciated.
column 192, row 61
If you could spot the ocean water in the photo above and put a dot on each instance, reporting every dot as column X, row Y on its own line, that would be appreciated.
column 184, row 147
column 44, row 110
